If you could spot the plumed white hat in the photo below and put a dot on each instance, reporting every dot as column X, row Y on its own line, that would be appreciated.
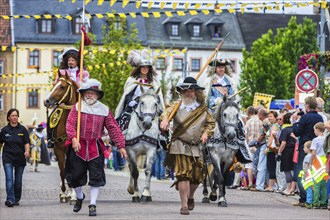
column 92, row 84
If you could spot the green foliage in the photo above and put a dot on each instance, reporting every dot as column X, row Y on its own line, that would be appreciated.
column 111, row 60
column 271, row 66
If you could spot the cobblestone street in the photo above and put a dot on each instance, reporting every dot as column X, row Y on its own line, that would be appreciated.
column 40, row 200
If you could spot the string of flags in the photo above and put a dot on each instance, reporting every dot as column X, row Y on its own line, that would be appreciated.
column 191, row 8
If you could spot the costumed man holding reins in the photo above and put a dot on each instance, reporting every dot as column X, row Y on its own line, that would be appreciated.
column 193, row 125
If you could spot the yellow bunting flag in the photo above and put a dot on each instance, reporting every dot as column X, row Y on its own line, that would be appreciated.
column 100, row 2
column 58, row 16
column 132, row 14
column 68, row 17
column 16, row 16
column 87, row 1
column 261, row 99
column 99, row 15
column 193, row 12
column 181, row 13
column 156, row 14
column 112, row 2
column 122, row 15
column 6, row 17
column 168, row 13
column 150, row 5
column 162, row 5
column 37, row 16
column 206, row 12
column 3, row 48
column 198, row 5
column 145, row 14
column 125, row 2
column 186, row 5
column 138, row 4
column 231, row 10
column 110, row 15
column 324, row 4
column 175, row 4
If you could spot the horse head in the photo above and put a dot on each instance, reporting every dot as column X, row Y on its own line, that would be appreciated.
column 227, row 117
column 148, row 107
column 64, row 91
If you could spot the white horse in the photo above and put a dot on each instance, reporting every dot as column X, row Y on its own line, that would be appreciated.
column 142, row 138
column 229, row 142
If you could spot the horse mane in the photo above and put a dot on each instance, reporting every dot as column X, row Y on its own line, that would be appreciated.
column 227, row 102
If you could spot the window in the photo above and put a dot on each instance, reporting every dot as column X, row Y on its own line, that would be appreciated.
column 178, row 64
column 217, row 32
column 34, row 58
column 1, row 102
column 56, row 61
column 1, row 67
column 233, row 65
column 175, row 30
column 117, row 25
column 46, row 26
column 196, row 30
column 160, row 63
column 77, row 24
column 33, row 98
column 195, row 64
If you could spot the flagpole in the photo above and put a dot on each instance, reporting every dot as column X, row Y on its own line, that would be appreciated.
column 81, row 72
column 199, row 74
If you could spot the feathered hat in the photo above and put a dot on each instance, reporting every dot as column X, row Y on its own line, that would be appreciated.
column 138, row 58
column 189, row 83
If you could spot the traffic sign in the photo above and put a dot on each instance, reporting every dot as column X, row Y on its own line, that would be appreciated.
column 307, row 80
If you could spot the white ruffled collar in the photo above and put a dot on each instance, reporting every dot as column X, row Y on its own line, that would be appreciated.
column 96, row 109
column 190, row 107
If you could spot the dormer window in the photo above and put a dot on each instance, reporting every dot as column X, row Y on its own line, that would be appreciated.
column 46, row 26
column 194, row 26
column 175, row 30
column 78, row 22
column 172, row 27
column 215, row 26
column 196, row 30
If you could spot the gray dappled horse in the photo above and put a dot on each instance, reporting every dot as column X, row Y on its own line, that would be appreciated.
column 142, row 138
column 61, row 98
column 224, row 147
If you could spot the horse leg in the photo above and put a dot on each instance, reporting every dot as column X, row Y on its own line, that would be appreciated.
column 133, row 188
column 205, row 191
column 151, row 157
column 60, row 155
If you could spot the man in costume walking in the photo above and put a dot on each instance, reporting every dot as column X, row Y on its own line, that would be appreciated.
column 87, row 153
column 193, row 125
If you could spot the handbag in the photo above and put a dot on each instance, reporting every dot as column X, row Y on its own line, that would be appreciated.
column 295, row 152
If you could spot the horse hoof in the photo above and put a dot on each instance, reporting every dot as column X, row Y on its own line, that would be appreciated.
column 130, row 190
column 205, row 200
column 146, row 198
column 136, row 199
column 222, row 204
column 73, row 202
column 213, row 197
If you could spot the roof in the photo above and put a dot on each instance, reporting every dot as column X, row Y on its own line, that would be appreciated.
column 253, row 25
column 25, row 29
column 157, row 36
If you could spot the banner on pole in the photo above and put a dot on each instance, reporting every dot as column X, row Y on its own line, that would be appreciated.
column 261, row 99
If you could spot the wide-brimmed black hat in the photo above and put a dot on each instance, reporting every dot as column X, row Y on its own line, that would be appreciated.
column 92, row 84
column 218, row 62
column 40, row 127
column 189, row 83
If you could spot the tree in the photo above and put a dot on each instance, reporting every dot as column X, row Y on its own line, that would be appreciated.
column 271, row 66
column 109, row 63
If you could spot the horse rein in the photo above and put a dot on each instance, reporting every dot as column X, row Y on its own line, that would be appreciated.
column 69, row 89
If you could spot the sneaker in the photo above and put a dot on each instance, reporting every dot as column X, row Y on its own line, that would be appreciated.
column 92, row 210
column 9, row 203
column 301, row 204
column 323, row 206
column 309, row 206
column 316, row 206
column 77, row 206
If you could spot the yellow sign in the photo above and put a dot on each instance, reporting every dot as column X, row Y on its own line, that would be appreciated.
column 261, row 99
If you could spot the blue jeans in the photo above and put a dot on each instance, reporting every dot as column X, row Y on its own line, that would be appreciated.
column 309, row 195
column 262, row 168
column 13, row 185
column 118, row 162
column 159, row 164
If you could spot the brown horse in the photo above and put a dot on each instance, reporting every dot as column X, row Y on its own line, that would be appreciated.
column 62, row 98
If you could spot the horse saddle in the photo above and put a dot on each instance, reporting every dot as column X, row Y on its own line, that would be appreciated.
column 55, row 117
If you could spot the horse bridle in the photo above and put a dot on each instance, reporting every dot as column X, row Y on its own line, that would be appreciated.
column 69, row 90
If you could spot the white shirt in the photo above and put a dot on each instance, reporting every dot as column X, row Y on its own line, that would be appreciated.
column 221, row 80
column 73, row 73
column 317, row 145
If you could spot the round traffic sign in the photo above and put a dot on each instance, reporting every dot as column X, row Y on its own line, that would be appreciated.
column 307, row 80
